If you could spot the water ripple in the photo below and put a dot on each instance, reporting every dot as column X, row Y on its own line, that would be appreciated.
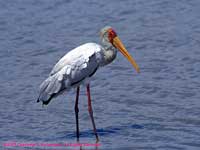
column 156, row 109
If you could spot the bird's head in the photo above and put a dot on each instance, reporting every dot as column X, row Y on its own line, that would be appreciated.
column 109, row 37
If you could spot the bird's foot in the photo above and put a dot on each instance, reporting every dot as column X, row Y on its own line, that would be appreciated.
column 97, row 140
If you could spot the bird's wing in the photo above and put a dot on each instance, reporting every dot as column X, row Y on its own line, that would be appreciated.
column 82, row 52
column 74, row 67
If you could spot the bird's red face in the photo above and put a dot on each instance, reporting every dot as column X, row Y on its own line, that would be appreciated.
column 116, row 42
column 111, row 35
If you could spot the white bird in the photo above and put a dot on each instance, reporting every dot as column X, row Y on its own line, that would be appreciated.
column 80, row 64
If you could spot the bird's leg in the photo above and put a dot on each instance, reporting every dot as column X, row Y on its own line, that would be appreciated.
column 91, row 112
column 76, row 113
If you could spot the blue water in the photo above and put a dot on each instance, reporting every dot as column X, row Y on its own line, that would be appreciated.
column 156, row 109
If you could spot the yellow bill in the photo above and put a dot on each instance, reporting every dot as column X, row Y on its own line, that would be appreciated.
column 118, row 44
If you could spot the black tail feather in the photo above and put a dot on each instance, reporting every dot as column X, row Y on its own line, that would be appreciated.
column 47, row 102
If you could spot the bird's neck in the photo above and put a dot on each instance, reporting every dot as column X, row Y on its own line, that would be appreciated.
column 109, row 53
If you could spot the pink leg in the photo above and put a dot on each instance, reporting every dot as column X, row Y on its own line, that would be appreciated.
column 91, row 112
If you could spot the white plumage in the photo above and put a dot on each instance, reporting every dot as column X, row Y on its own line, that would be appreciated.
column 71, row 70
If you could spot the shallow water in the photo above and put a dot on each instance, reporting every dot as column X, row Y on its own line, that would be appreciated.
column 156, row 109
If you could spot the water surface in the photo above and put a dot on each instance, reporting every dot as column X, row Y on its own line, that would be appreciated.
column 156, row 109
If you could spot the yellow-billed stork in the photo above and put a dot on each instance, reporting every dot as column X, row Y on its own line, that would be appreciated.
column 78, row 65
